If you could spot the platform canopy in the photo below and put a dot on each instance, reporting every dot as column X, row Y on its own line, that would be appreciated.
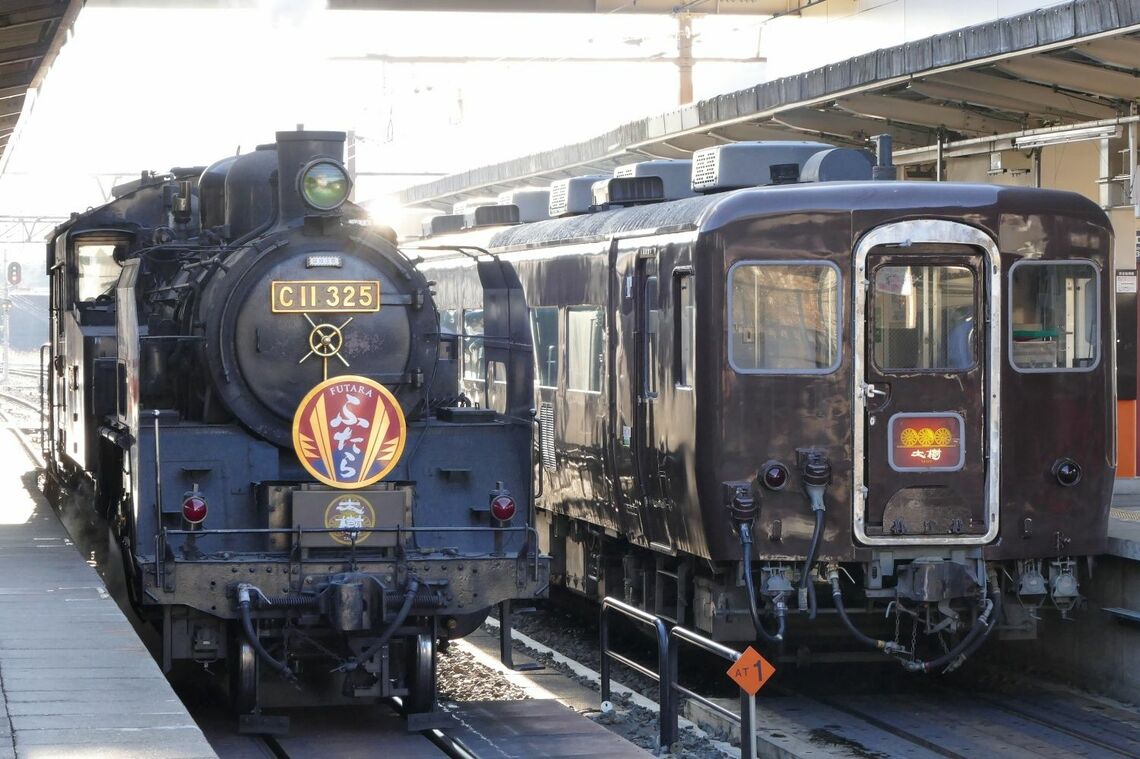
column 31, row 34
column 1069, row 71
column 733, row 7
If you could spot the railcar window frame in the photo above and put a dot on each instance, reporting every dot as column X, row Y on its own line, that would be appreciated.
column 684, row 327
column 837, row 290
column 1099, row 332
column 542, row 346
column 597, row 370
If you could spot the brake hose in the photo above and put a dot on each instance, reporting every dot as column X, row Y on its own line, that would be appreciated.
column 781, row 608
column 247, row 624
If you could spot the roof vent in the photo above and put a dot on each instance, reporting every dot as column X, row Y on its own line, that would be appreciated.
column 750, row 164
column 489, row 216
column 464, row 206
column 676, row 176
column 573, row 196
column 836, row 165
column 442, row 225
column 627, row 191
column 533, row 203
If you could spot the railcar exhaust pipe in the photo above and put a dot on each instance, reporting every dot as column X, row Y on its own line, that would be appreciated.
column 744, row 510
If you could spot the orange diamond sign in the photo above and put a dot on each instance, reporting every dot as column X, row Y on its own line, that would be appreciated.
column 751, row 671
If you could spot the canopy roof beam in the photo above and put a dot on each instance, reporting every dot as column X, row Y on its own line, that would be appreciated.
column 914, row 112
column 1045, row 97
column 1077, row 76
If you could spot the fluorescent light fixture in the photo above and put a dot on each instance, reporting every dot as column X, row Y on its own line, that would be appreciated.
column 1066, row 135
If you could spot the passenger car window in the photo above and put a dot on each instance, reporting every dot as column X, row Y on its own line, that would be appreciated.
column 784, row 318
column 585, row 344
column 684, row 325
column 1054, row 316
column 652, row 334
column 924, row 318
column 544, row 326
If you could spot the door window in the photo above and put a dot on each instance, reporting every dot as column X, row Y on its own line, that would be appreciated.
column 924, row 318
column 1054, row 309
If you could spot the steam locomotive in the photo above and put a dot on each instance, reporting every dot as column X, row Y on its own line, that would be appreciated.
column 772, row 368
column 250, row 383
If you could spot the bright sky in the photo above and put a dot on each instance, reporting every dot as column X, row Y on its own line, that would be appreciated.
column 151, row 89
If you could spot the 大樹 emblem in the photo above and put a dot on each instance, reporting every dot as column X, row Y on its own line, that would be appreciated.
column 349, row 431
column 353, row 516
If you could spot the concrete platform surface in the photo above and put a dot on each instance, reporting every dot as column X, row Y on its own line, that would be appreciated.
column 1124, row 521
column 75, row 680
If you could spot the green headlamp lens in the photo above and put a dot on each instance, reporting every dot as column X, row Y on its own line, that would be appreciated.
column 325, row 186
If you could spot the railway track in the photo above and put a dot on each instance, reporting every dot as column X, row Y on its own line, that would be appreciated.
column 871, row 712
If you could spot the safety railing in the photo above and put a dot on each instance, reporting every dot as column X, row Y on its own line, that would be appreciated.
column 667, row 728
column 747, row 718
column 669, row 642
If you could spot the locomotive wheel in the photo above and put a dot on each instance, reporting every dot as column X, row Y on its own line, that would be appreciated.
column 243, row 676
column 420, row 674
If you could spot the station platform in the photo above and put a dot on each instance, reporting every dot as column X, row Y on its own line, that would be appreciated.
column 1124, row 522
column 75, row 680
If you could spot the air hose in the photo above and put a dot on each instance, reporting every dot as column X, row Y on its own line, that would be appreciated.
column 247, row 624
column 813, row 551
column 815, row 471
column 837, row 596
column 401, row 615
column 745, row 530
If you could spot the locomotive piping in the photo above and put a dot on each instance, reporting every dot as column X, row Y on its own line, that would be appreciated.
column 401, row 615
column 247, row 625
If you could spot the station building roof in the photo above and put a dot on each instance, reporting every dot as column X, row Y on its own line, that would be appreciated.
column 992, row 86
column 31, row 34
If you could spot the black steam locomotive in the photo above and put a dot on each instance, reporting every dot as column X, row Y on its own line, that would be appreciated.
column 764, row 372
column 250, row 382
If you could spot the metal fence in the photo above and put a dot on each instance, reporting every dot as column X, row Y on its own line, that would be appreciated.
column 669, row 642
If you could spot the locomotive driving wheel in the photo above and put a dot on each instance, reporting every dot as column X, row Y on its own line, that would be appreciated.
column 420, row 674
column 243, row 675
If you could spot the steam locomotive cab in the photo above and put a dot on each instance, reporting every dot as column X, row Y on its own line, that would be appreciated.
column 778, row 397
column 261, row 401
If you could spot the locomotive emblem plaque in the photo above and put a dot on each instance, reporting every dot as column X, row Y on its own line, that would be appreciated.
column 349, row 431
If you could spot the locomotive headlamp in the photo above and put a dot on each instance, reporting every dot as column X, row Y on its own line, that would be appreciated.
column 324, row 185
column 1067, row 472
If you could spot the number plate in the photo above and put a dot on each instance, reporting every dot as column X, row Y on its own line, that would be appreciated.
column 324, row 296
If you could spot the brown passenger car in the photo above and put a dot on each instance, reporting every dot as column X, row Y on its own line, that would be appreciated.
column 909, row 384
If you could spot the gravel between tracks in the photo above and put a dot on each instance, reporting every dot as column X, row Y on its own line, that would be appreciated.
column 461, row 678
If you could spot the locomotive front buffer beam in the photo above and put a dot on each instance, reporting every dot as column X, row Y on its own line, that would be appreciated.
column 350, row 595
